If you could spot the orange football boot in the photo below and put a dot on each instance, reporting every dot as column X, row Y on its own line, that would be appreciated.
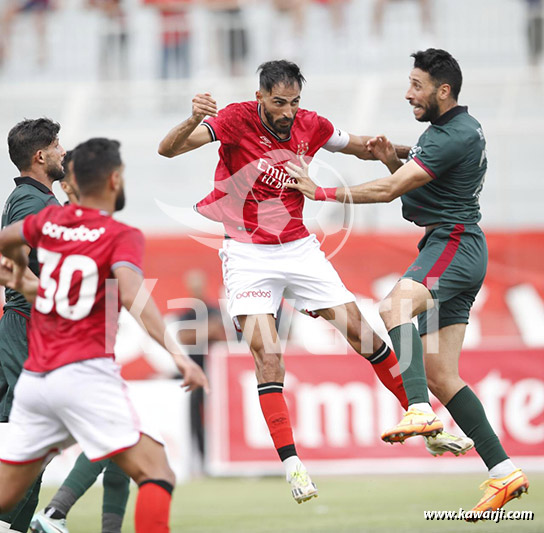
column 499, row 491
column 414, row 423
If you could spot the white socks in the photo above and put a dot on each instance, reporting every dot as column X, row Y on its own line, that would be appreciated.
column 503, row 469
column 291, row 464
column 423, row 406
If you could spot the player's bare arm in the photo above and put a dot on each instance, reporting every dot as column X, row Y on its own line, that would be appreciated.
column 14, row 247
column 190, row 134
column 30, row 282
column 382, row 149
column 384, row 190
column 358, row 146
column 130, row 284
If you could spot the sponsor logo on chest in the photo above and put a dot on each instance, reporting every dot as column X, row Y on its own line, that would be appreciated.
column 274, row 176
column 81, row 233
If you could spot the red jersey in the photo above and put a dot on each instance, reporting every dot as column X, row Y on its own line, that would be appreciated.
column 248, row 196
column 78, row 248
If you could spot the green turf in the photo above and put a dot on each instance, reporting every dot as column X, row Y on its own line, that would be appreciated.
column 346, row 504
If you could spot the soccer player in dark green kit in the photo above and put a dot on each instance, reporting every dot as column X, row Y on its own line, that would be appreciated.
column 35, row 150
column 439, row 186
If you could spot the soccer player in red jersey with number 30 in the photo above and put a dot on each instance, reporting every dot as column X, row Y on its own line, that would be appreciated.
column 70, row 389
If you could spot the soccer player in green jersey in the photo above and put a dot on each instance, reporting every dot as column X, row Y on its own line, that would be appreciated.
column 35, row 150
column 439, row 186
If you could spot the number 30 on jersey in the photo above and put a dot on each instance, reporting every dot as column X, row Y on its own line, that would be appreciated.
column 56, row 291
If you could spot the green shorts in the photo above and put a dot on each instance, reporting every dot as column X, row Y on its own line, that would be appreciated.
column 452, row 263
column 13, row 354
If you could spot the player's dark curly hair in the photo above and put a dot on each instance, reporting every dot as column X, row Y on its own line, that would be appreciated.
column 442, row 67
column 94, row 160
column 281, row 71
column 29, row 136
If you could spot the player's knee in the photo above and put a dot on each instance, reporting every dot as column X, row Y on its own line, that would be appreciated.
column 442, row 384
column 167, row 474
column 386, row 312
column 440, row 391
column 171, row 477
column 434, row 385
column 155, row 471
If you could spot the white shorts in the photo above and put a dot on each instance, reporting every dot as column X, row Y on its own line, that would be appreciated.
column 258, row 276
column 85, row 402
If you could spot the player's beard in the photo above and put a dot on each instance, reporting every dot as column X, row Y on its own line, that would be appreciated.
column 120, row 200
column 55, row 172
column 282, row 129
column 432, row 111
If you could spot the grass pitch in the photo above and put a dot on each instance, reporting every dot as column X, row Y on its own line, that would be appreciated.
column 369, row 504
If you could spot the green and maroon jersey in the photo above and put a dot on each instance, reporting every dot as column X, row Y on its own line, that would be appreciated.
column 28, row 197
column 452, row 152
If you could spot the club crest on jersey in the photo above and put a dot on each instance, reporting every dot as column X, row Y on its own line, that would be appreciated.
column 302, row 148
column 266, row 141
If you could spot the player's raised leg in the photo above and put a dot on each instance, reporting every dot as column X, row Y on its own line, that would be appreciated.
column 347, row 318
column 147, row 465
column 407, row 299
column 505, row 480
column 262, row 337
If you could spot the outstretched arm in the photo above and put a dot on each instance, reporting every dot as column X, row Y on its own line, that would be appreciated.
column 358, row 146
column 408, row 177
column 190, row 134
column 383, row 150
column 130, row 284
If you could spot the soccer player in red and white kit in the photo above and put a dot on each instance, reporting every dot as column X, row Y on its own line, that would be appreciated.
column 268, row 252
column 71, row 389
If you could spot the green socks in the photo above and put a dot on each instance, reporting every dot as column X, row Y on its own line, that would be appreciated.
column 116, row 491
column 409, row 351
column 468, row 412
column 82, row 476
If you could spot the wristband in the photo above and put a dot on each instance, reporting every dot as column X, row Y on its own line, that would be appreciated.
column 325, row 194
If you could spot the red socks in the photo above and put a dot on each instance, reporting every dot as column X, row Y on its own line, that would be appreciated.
column 153, row 507
column 384, row 362
column 277, row 418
